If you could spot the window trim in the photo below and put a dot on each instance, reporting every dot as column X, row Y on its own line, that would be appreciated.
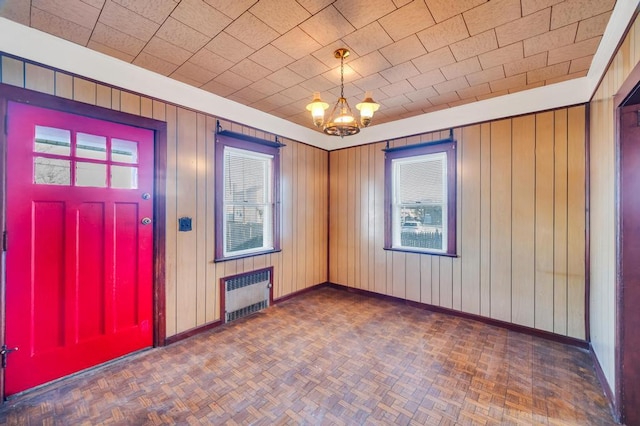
column 447, row 146
column 266, row 148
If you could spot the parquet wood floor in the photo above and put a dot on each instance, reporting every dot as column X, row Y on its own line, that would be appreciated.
column 332, row 357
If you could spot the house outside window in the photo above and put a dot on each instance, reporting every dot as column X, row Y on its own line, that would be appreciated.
column 246, row 198
column 421, row 198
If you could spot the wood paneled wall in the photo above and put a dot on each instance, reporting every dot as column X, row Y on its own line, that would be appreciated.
column 192, row 278
column 603, row 201
column 521, row 224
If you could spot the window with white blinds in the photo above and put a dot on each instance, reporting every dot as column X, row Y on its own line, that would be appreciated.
column 421, row 194
column 246, row 196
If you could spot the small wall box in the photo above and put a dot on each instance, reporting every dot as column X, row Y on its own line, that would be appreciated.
column 184, row 224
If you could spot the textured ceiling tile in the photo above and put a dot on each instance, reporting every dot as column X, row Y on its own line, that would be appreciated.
column 461, row 68
column 318, row 83
column 296, row 43
column 571, row 11
column 350, row 91
column 73, row 11
column 531, row 6
column 308, row 66
column 326, row 54
column 116, row 39
column 445, row 9
column 526, row 64
column 551, row 40
column 529, row 26
column 327, row 26
column 181, row 76
column 444, row 99
column 493, row 95
column 211, row 61
column 281, row 15
column 182, row 35
column 400, row 72
column 427, row 79
column 461, row 102
column 491, row 15
column 195, row 72
column 485, row 76
column 372, row 63
column 271, row 57
column 250, row 70
column 368, row 39
column 473, row 91
column 154, row 64
column 407, row 20
column 127, row 21
column 510, row 53
column 251, row 31
column 396, row 89
column 552, row 71
column 218, row 88
column 298, row 92
column 566, row 77
column 395, row 101
column 164, row 50
column 59, row 27
column 271, row 102
column 362, row 12
column 249, row 95
column 527, row 87
column 266, row 87
column 16, row 10
column 580, row 64
column 285, row 77
column 229, row 47
column 508, row 83
column 371, row 82
column 201, row 17
column 232, row 80
column 154, row 10
column 474, row 46
column 422, row 94
column 95, row 3
column 434, row 60
column 403, row 50
column 451, row 85
column 333, row 75
column 110, row 51
column 232, row 8
column 440, row 35
column 573, row 51
column 592, row 27
column 314, row 6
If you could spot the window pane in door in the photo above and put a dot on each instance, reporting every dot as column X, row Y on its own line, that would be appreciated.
column 91, row 174
column 124, row 177
column 123, row 151
column 50, row 171
column 91, row 146
column 52, row 141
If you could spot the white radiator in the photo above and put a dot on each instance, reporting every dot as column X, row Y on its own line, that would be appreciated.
column 246, row 294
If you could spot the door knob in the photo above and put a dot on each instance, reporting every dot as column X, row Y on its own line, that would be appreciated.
column 145, row 221
column 146, row 196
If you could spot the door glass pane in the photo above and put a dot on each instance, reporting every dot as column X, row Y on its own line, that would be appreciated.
column 124, row 177
column 91, row 174
column 52, row 141
column 50, row 171
column 123, row 151
column 91, row 146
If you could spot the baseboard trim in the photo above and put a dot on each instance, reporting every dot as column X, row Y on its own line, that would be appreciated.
column 606, row 388
column 206, row 327
column 583, row 344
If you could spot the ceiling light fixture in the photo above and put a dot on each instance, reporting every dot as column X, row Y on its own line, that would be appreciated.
column 341, row 121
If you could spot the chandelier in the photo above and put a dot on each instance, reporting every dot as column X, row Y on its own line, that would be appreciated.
column 341, row 122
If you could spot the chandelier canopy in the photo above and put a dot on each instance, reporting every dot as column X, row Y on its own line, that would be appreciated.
column 342, row 122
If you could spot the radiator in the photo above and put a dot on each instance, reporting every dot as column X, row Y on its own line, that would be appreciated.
column 246, row 294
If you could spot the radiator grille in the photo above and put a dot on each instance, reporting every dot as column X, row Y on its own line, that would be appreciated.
column 246, row 294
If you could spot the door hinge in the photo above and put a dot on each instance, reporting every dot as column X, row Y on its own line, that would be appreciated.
column 4, row 240
column 4, row 351
column 6, row 124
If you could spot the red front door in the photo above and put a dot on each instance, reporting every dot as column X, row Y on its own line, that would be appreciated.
column 79, row 243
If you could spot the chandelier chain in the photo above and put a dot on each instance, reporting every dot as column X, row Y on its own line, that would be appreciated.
column 342, row 76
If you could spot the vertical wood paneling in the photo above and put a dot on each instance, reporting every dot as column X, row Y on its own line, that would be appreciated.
column 457, row 262
column 380, row 254
column 13, row 72
column 523, row 220
column 412, row 264
column 469, row 147
column 425, row 280
column 64, row 85
column 171, row 220
column 357, row 237
column 186, row 242
column 501, row 220
column 103, row 97
column 286, row 234
column 576, row 226
column 39, row 79
column 446, row 282
column 435, row 281
column 84, row 91
column 200, row 219
column 398, row 280
column 212, row 303
column 146, row 107
column 350, row 212
column 560, row 300
column 544, row 221
column 485, row 220
column 130, row 103
column 333, row 217
column 363, row 219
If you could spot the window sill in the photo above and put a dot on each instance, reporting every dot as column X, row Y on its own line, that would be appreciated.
column 244, row 256
column 430, row 253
